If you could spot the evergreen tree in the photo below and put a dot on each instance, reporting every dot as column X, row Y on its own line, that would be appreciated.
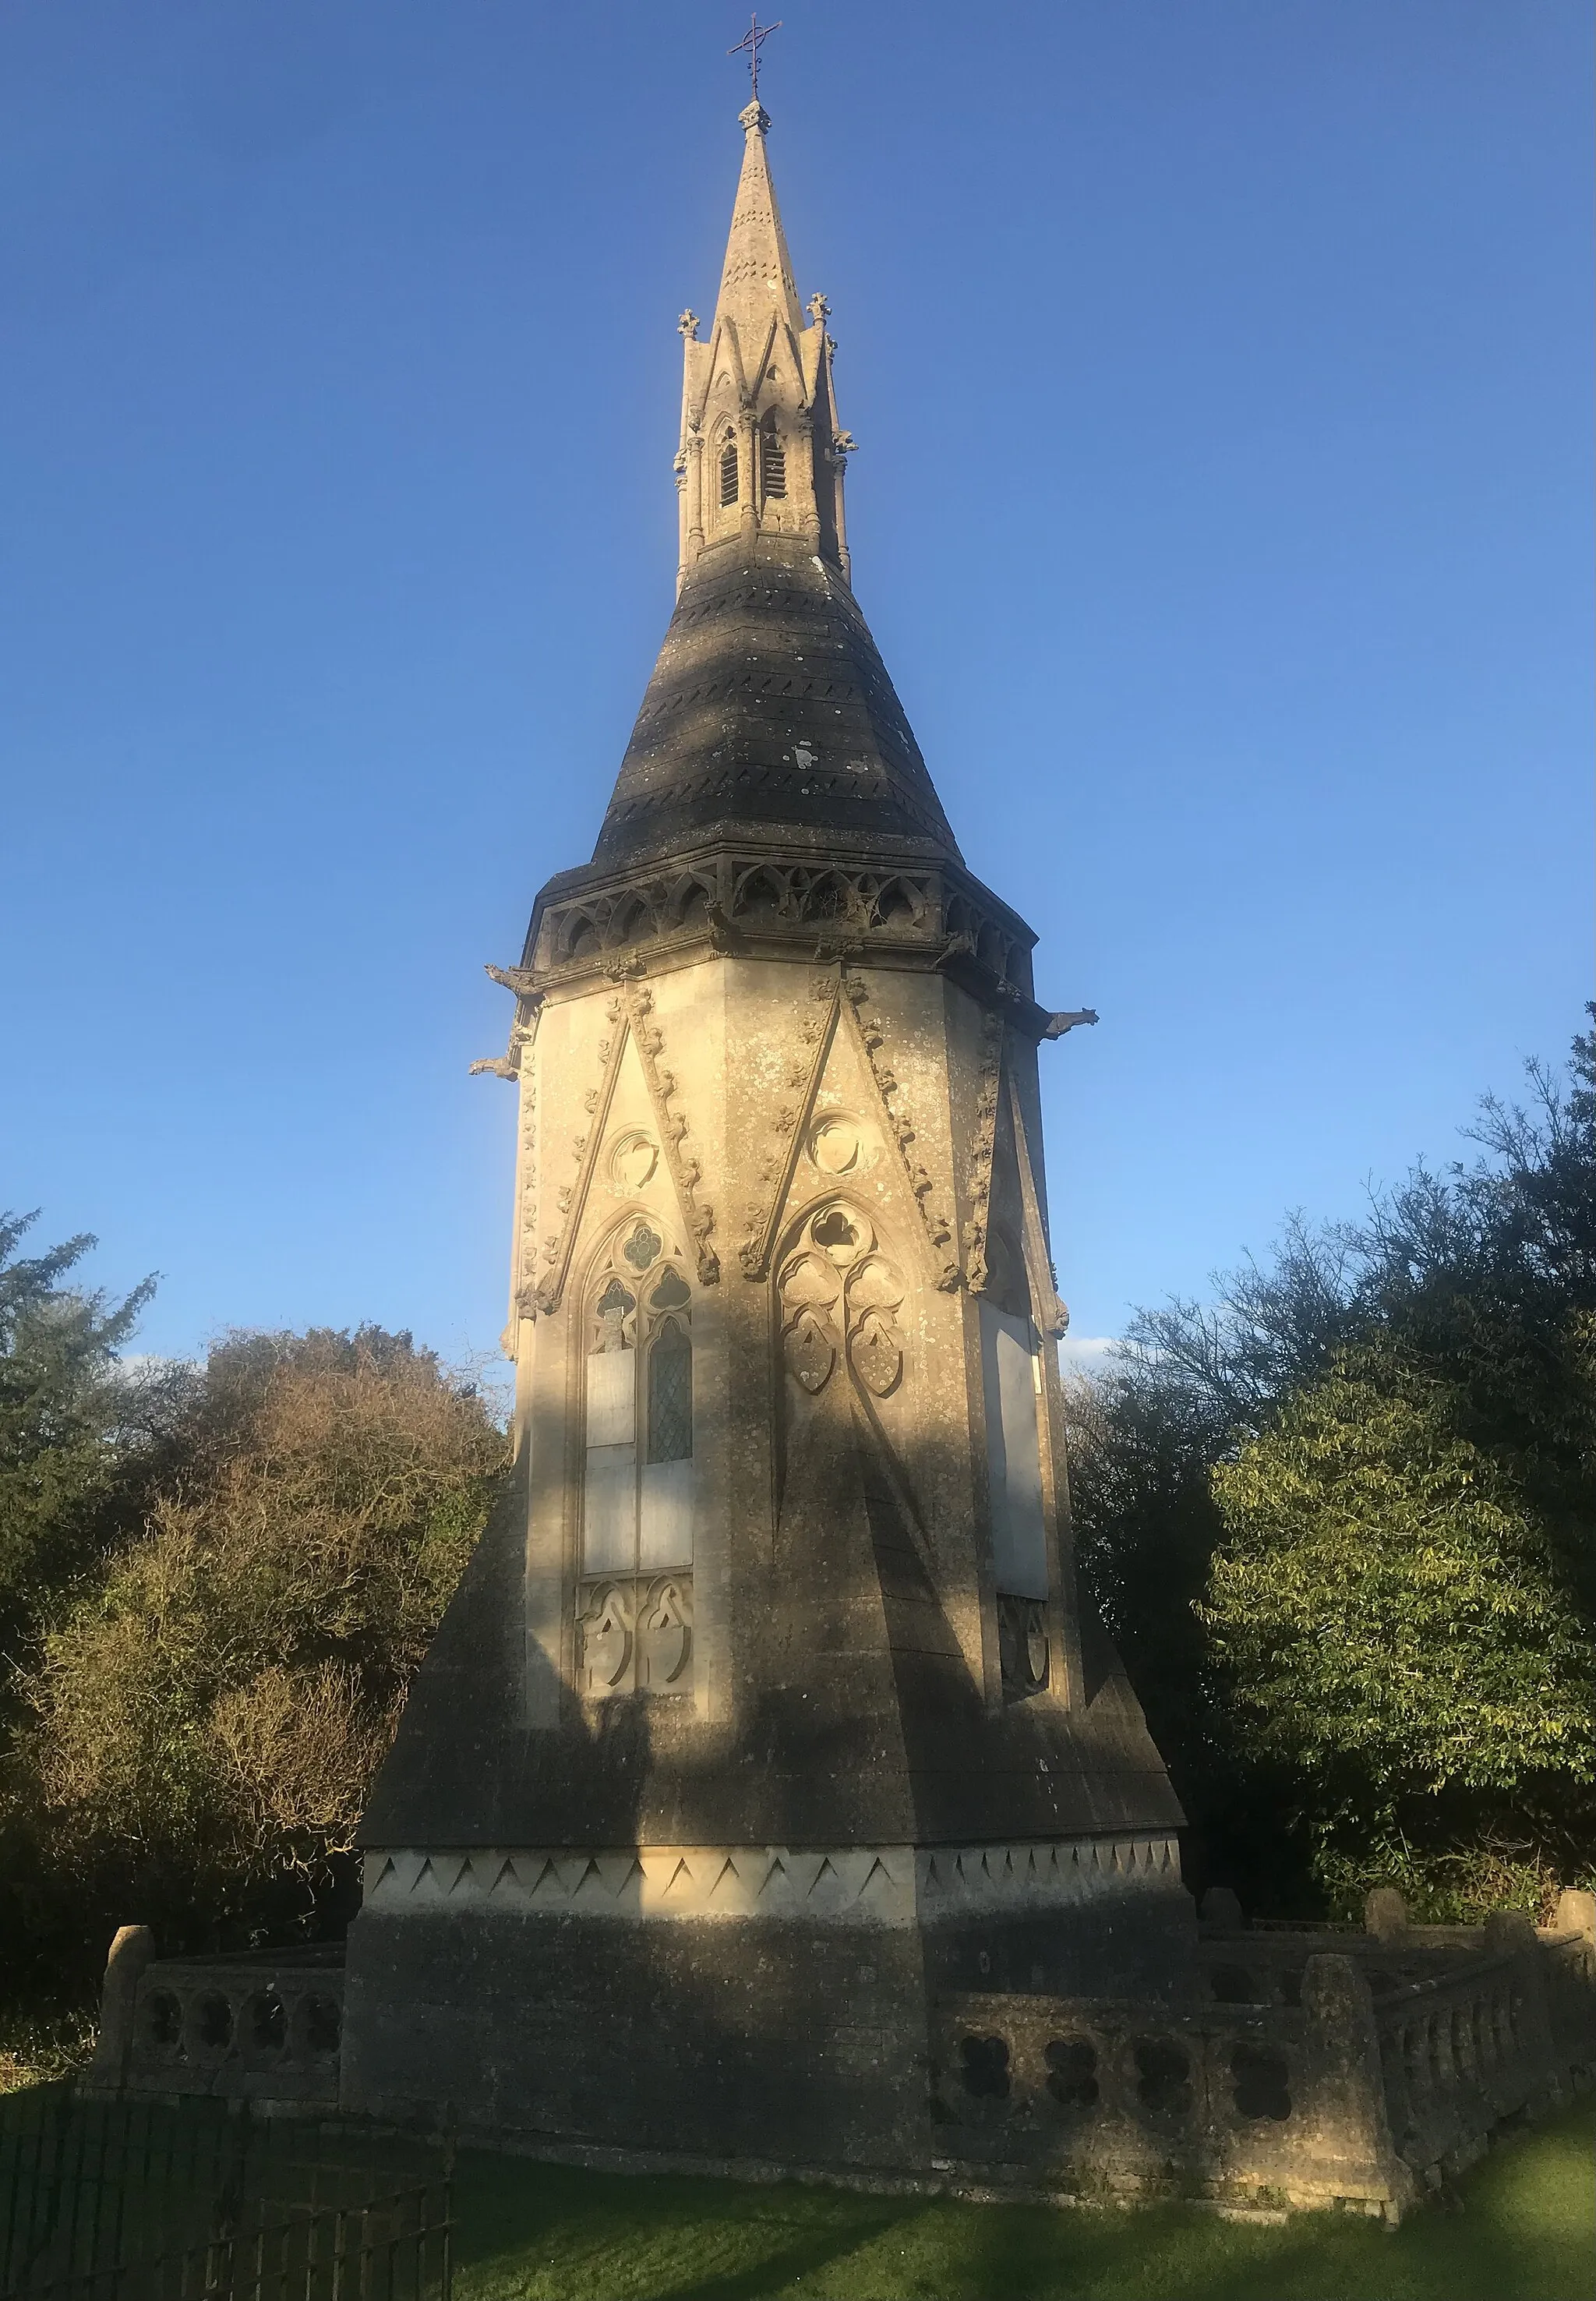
column 70, row 1419
column 1367, row 1472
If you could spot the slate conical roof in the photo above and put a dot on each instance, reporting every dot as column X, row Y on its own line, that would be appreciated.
column 770, row 705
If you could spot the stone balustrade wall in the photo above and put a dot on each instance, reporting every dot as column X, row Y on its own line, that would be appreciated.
column 1252, row 2106
column 1322, row 2066
column 1461, row 2057
column 1327, row 2065
column 264, row 2026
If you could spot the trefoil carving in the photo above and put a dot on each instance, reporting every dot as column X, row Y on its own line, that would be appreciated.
column 635, row 1635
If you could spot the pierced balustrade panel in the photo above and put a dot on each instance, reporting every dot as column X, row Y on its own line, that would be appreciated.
column 1123, row 2094
column 268, row 2026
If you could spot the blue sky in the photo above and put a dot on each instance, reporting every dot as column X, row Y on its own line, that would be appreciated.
column 1220, row 369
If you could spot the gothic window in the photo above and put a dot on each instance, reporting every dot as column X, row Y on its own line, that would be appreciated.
column 634, row 1600
column 772, row 458
column 670, row 1395
column 728, row 471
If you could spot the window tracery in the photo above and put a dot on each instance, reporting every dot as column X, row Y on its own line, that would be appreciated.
column 840, row 1297
column 634, row 1591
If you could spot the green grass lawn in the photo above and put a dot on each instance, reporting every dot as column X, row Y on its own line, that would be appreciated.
column 1523, row 2229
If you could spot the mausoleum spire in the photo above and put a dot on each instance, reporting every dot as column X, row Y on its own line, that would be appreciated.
column 758, row 294
column 760, row 453
column 769, row 706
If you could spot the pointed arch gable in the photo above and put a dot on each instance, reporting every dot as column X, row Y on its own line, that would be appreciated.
column 769, row 346
column 551, row 1291
column 805, row 387
column 604, row 1242
column 843, row 993
column 698, row 400
column 697, row 1216
column 936, row 1227
column 1047, row 1307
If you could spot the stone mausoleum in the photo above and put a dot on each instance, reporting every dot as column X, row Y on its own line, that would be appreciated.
column 766, row 1800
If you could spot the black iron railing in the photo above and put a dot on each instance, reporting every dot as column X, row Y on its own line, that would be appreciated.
column 201, row 2200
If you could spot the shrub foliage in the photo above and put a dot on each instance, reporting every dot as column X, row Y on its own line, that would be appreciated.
column 206, row 1697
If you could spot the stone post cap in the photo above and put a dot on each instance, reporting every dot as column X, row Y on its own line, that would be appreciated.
column 1333, row 1984
column 132, row 1948
column 130, row 1945
column 1220, row 1907
column 1575, row 1913
column 1509, row 1930
column 1385, row 1913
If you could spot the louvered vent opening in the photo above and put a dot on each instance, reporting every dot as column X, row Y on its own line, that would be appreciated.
column 772, row 458
column 729, row 473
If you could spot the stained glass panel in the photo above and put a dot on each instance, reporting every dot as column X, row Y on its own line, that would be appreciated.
column 670, row 1395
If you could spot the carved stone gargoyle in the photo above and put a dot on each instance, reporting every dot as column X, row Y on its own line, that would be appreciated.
column 1057, row 1025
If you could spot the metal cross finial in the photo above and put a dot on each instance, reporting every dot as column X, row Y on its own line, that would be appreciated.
column 753, row 40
